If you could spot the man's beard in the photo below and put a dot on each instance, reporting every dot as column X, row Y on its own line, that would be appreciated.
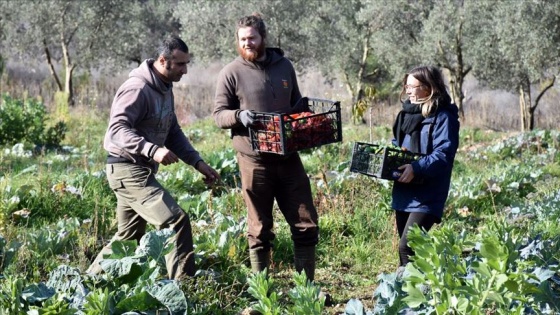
column 252, row 55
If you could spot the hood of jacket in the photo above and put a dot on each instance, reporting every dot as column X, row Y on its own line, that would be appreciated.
column 146, row 73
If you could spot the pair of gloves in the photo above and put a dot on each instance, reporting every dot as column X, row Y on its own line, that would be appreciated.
column 246, row 117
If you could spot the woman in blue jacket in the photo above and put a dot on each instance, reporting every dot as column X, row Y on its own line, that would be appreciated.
column 429, row 124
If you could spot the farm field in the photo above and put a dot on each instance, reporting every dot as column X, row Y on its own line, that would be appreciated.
column 497, row 250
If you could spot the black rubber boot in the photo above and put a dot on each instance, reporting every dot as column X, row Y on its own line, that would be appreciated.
column 304, row 259
column 259, row 259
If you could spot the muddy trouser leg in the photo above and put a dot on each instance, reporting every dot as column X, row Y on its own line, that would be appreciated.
column 258, row 193
column 295, row 200
column 404, row 221
column 141, row 199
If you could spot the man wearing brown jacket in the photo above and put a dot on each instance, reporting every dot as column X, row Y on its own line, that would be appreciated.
column 143, row 132
column 262, row 79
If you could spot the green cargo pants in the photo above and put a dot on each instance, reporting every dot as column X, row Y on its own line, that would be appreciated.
column 140, row 200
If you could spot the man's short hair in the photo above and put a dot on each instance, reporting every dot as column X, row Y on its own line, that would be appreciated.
column 169, row 45
column 255, row 21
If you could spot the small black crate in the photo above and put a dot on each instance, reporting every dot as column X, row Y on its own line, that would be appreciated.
column 381, row 162
column 281, row 133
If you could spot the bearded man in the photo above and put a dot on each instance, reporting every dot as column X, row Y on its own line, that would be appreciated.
column 262, row 79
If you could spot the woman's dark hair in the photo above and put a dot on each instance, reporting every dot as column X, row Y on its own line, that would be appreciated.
column 169, row 45
column 432, row 78
column 255, row 21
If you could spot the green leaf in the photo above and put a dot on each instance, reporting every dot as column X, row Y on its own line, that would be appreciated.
column 155, row 245
column 496, row 297
column 462, row 304
column 500, row 280
column 99, row 302
column 354, row 307
column 125, row 270
column 415, row 296
column 482, row 268
column 168, row 293
column 142, row 301
column 37, row 293
column 121, row 249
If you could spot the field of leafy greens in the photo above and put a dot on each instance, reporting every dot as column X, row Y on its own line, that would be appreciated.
column 497, row 250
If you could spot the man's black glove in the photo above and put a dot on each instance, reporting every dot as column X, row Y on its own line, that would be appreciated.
column 246, row 117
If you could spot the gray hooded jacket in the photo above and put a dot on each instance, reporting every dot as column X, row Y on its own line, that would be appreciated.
column 143, row 118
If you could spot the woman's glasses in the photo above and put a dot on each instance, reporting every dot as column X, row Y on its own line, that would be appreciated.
column 412, row 87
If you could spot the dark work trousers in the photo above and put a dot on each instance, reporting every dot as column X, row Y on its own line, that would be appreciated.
column 140, row 200
column 404, row 221
column 286, row 182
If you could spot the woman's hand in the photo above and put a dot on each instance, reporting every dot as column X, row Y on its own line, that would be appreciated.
column 407, row 173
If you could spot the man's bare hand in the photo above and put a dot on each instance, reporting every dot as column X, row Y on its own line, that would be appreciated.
column 210, row 175
column 165, row 156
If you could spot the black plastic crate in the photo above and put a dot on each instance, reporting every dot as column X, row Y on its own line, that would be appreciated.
column 282, row 133
column 381, row 162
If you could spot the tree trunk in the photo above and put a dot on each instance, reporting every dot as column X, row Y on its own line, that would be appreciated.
column 457, row 70
column 521, row 109
column 456, row 84
column 533, row 107
column 68, row 88
column 1, row 65
column 524, row 99
column 357, row 92
column 51, row 66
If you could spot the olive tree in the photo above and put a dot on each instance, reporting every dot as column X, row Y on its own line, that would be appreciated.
column 518, row 51
column 399, row 32
column 86, row 34
column 209, row 26
column 447, row 36
column 437, row 32
column 321, row 34
column 342, row 45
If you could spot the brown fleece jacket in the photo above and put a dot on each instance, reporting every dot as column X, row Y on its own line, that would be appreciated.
column 269, row 86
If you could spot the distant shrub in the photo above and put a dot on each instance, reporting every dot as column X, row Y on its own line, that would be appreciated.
column 27, row 121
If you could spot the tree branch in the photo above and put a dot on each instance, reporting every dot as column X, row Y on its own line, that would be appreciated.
column 548, row 86
column 50, row 64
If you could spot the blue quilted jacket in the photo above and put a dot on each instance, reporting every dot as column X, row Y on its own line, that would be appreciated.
column 439, row 140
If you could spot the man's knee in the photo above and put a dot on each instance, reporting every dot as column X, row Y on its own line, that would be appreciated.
column 179, row 221
column 129, row 235
column 307, row 237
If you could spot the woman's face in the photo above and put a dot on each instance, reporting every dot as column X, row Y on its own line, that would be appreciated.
column 416, row 90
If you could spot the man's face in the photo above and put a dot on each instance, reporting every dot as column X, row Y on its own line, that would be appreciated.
column 177, row 66
column 250, row 44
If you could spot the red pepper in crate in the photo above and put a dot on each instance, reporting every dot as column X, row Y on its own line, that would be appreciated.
column 286, row 133
column 308, row 130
